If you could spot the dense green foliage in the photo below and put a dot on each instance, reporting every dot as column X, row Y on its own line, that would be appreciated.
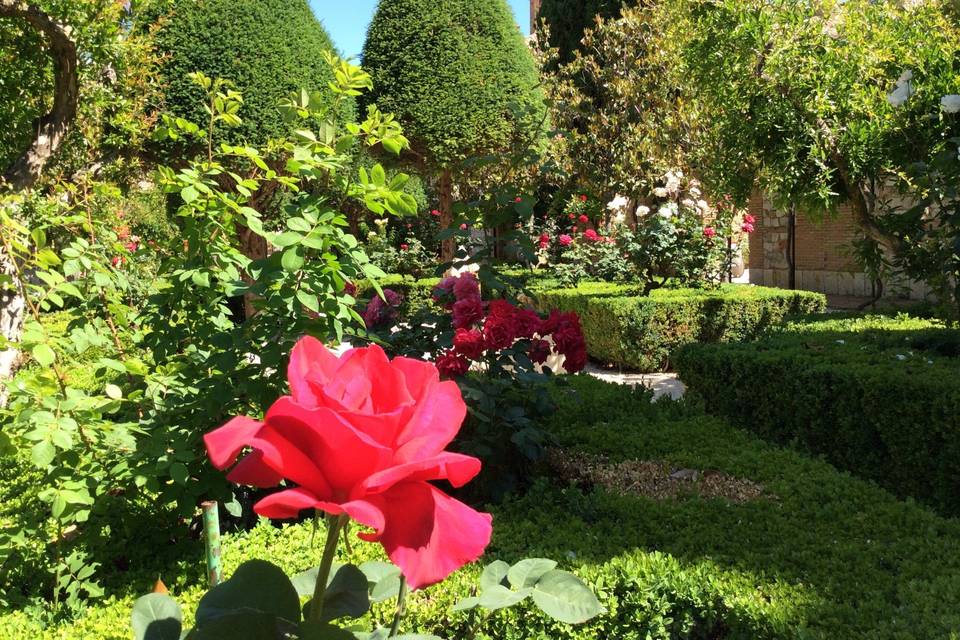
column 457, row 75
column 688, row 567
column 116, row 82
column 876, row 396
column 639, row 332
column 268, row 49
column 568, row 19
column 112, row 404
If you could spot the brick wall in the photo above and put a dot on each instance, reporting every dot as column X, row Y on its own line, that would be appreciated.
column 823, row 254
column 534, row 12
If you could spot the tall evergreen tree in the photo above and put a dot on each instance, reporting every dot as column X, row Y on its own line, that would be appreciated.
column 569, row 19
column 269, row 50
column 451, row 71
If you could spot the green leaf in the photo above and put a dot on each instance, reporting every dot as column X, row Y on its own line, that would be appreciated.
column 499, row 597
column 42, row 454
column 527, row 572
column 113, row 392
column 238, row 625
column 43, row 354
column 287, row 239
column 179, row 473
column 378, row 175
column 493, row 575
column 156, row 616
column 466, row 604
column 346, row 594
column 39, row 238
column 383, row 578
column 200, row 278
column 189, row 194
column 292, row 260
column 313, row 630
column 299, row 224
column 308, row 300
column 563, row 597
column 257, row 585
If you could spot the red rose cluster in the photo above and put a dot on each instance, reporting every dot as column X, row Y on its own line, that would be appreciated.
column 500, row 325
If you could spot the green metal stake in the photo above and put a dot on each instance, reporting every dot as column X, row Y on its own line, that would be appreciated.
column 211, row 536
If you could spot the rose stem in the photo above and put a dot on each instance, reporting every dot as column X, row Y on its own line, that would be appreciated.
column 335, row 523
column 401, row 606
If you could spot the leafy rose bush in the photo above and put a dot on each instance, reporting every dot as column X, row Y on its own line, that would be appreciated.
column 360, row 438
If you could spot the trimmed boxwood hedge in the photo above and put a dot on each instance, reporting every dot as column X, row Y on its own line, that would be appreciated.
column 877, row 396
column 821, row 556
column 627, row 329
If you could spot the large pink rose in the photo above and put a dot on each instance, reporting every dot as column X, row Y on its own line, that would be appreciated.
column 363, row 435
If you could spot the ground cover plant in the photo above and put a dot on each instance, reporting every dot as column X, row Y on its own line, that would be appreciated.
column 874, row 395
column 691, row 565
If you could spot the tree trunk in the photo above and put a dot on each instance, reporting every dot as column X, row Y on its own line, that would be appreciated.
column 448, row 249
column 25, row 170
column 254, row 247
column 52, row 127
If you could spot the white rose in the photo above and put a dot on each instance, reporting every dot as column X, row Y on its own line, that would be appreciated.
column 619, row 202
column 660, row 192
column 643, row 210
column 950, row 104
column 902, row 90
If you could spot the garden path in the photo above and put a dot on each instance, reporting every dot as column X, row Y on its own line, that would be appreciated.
column 662, row 384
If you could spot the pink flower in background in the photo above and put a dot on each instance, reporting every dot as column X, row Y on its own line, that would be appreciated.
column 466, row 286
column 544, row 241
column 519, row 199
column 565, row 240
column 710, row 232
column 404, row 247
column 749, row 219
column 584, row 219
column 365, row 436
column 463, row 227
column 591, row 235
column 435, row 213
column 583, row 198
column 748, row 227
column 350, row 289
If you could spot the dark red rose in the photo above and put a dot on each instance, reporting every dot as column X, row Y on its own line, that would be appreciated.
column 467, row 312
column 469, row 343
column 539, row 351
column 452, row 365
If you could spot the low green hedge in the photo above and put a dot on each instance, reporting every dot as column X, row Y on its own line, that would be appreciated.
column 877, row 396
column 636, row 332
column 821, row 555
